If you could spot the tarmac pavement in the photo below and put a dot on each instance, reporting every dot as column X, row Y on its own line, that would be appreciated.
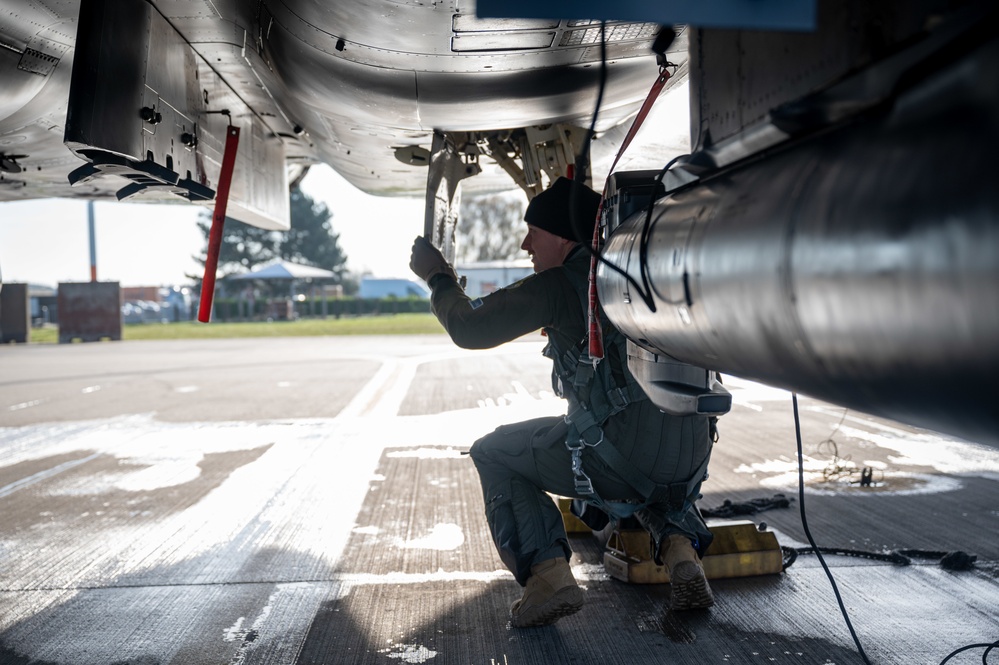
column 306, row 500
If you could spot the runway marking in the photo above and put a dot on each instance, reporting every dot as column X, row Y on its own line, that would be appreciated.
column 387, row 406
column 441, row 575
column 383, row 395
column 362, row 402
column 427, row 453
column 583, row 572
column 43, row 475
column 24, row 405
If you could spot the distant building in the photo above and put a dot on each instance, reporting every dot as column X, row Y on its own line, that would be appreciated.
column 155, row 304
column 374, row 287
column 43, row 304
column 484, row 277
column 136, row 293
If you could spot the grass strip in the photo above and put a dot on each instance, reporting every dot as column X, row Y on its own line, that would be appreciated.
column 392, row 324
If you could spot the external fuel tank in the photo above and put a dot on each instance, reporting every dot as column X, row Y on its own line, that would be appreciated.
column 858, row 265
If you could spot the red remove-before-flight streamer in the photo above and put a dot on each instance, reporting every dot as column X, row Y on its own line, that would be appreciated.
column 218, row 221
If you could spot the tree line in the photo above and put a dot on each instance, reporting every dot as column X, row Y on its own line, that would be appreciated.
column 311, row 241
column 489, row 228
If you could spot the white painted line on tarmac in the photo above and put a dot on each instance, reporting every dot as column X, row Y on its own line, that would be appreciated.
column 428, row 453
column 389, row 403
column 24, row 405
column 581, row 571
column 383, row 395
column 362, row 402
column 373, row 579
column 43, row 475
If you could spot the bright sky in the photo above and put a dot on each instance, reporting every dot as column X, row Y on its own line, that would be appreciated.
column 46, row 241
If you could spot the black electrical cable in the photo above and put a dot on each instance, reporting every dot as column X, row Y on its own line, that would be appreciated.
column 579, row 174
column 897, row 558
column 808, row 533
column 985, row 656
column 643, row 243
column 583, row 158
column 790, row 554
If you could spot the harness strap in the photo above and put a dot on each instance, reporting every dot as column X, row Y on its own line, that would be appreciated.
column 676, row 496
column 578, row 370
column 595, row 336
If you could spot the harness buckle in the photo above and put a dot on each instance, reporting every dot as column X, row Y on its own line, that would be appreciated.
column 583, row 485
column 575, row 445
column 581, row 481
column 618, row 398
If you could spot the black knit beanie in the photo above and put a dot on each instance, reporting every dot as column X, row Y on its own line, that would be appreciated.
column 551, row 210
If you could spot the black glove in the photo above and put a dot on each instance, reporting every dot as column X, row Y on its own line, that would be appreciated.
column 427, row 261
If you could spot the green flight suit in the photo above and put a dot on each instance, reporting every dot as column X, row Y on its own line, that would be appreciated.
column 519, row 463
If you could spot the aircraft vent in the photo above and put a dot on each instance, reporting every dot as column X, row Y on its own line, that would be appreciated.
column 37, row 62
column 582, row 33
column 475, row 34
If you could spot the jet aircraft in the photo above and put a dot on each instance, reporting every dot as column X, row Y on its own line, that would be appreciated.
column 833, row 229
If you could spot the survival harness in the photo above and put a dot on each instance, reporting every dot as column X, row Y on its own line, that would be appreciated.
column 595, row 392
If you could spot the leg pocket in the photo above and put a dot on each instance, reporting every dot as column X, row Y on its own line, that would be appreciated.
column 503, row 527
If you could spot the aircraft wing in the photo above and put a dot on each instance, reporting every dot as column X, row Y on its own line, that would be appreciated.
column 127, row 99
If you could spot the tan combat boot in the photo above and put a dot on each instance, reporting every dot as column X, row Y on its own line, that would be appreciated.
column 690, row 588
column 551, row 593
